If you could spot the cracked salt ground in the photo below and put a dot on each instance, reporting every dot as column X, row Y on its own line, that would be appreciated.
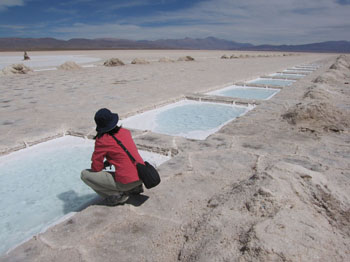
column 43, row 184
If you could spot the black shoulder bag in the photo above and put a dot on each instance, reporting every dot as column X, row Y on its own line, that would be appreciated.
column 147, row 173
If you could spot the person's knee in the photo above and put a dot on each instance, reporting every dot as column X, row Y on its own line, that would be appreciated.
column 84, row 174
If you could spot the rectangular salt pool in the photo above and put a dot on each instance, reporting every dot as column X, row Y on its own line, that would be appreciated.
column 246, row 92
column 41, row 184
column 311, row 68
column 288, row 76
column 272, row 82
column 301, row 69
column 294, row 71
column 186, row 118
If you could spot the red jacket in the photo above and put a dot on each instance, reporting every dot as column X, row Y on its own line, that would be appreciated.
column 107, row 147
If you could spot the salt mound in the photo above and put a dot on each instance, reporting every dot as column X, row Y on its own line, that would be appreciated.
column 317, row 116
column 16, row 69
column 166, row 60
column 139, row 61
column 339, row 66
column 341, row 63
column 318, row 93
column 186, row 58
column 325, row 78
column 337, row 72
column 69, row 65
column 113, row 62
column 320, row 79
column 225, row 57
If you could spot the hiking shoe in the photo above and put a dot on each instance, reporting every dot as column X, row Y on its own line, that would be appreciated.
column 136, row 190
column 116, row 200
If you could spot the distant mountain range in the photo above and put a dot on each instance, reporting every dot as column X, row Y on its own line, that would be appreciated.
column 209, row 43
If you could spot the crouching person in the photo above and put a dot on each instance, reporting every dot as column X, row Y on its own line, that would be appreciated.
column 114, row 187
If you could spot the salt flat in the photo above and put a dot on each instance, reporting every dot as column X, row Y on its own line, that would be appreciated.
column 45, row 103
column 269, row 186
column 40, row 62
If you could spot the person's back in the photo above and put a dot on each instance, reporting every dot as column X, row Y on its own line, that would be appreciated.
column 106, row 146
column 116, row 186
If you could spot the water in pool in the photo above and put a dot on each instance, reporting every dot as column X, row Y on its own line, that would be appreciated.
column 41, row 184
column 272, row 82
column 246, row 92
column 288, row 76
column 190, row 119
column 301, row 69
column 305, row 68
column 297, row 71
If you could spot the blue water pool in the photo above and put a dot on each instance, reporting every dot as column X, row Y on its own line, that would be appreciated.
column 288, row 76
column 296, row 71
column 301, row 69
column 311, row 68
column 190, row 119
column 272, row 82
column 42, row 184
column 246, row 92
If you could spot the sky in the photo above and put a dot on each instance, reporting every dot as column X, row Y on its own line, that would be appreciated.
column 244, row 21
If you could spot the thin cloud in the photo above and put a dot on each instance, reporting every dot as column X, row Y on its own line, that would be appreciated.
column 271, row 21
column 343, row 2
column 128, row 4
column 255, row 21
column 63, row 11
column 14, row 27
column 5, row 4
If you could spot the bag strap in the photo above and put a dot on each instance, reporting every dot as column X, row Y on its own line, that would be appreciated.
column 124, row 148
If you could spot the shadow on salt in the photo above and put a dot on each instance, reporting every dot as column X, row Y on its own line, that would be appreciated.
column 187, row 118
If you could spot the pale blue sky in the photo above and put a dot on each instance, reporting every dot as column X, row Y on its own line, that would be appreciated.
column 253, row 21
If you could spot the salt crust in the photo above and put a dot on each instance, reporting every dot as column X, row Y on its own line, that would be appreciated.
column 284, row 211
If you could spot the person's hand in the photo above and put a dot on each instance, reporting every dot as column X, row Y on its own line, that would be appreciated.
column 106, row 164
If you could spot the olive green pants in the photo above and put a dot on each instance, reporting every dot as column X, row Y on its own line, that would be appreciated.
column 103, row 183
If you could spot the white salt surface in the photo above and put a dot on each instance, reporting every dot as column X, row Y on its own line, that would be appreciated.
column 39, row 62
column 186, row 118
column 41, row 184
